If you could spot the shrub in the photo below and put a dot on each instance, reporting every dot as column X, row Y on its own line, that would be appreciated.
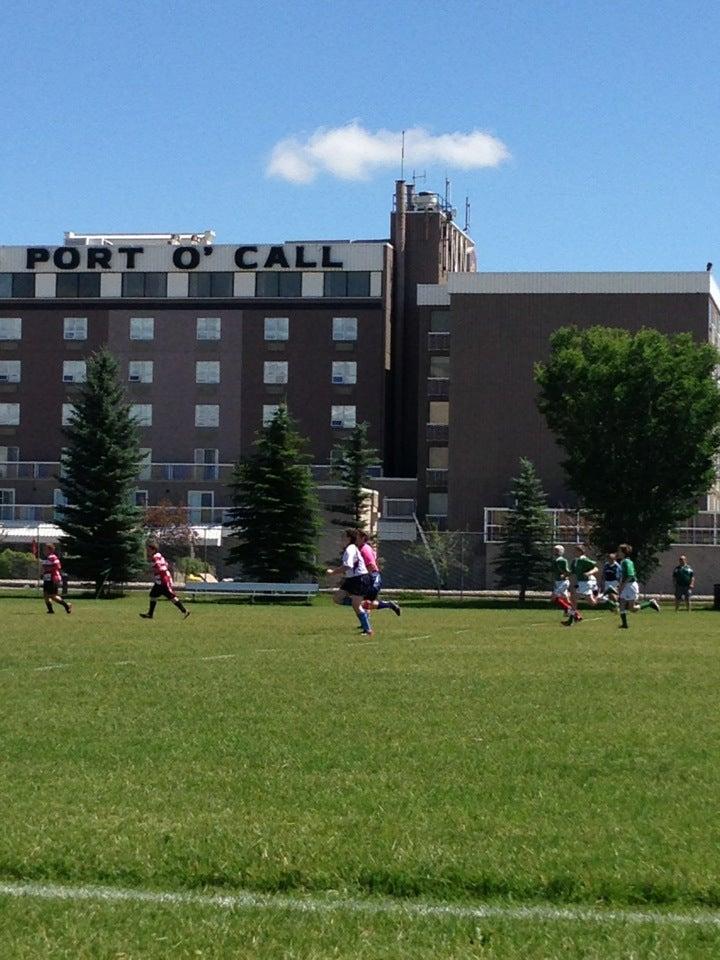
column 16, row 565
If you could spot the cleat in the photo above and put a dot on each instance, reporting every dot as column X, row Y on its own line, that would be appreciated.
column 576, row 617
column 395, row 607
column 186, row 615
column 145, row 616
column 569, row 622
column 623, row 626
column 655, row 605
column 68, row 608
column 368, row 633
column 50, row 611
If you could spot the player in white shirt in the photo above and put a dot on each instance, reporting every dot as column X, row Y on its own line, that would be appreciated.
column 356, row 582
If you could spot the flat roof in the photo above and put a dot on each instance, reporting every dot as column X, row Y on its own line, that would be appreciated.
column 699, row 281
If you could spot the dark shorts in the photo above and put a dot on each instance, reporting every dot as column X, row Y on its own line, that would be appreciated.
column 357, row 586
column 683, row 593
column 160, row 590
column 51, row 589
column 375, row 586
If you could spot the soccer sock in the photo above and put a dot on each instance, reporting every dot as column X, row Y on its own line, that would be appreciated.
column 151, row 608
column 611, row 603
column 48, row 604
column 64, row 605
column 562, row 602
column 347, row 602
column 623, row 617
column 364, row 620
column 644, row 604
column 179, row 605
column 383, row 605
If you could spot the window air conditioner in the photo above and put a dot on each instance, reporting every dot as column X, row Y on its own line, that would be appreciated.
column 336, row 423
column 68, row 378
column 4, row 377
column 338, row 379
column 134, row 378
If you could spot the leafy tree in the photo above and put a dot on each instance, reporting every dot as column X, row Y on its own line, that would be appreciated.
column 351, row 459
column 275, row 512
column 523, row 561
column 444, row 550
column 638, row 418
column 168, row 524
column 103, row 532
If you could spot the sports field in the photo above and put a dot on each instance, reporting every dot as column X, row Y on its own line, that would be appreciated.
column 467, row 783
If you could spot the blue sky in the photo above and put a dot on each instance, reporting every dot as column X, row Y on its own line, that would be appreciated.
column 139, row 116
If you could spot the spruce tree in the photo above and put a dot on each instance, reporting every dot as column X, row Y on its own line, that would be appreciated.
column 275, row 512
column 524, row 555
column 351, row 459
column 103, row 533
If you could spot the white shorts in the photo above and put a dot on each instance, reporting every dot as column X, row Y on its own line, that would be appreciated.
column 561, row 588
column 586, row 588
column 630, row 592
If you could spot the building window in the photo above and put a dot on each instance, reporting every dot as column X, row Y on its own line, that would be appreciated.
column 74, row 371
column 344, row 371
column 440, row 321
column 75, row 328
column 141, row 499
column 208, row 328
column 277, row 328
column 343, row 283
column 437, row 504
column 141, row 414
column 395, row 508
column 145, row 463
column 144, row 284
column 438, row 458
column 207, row 459
column 17, row 285
column 342, row 417
column 269, row 411
column 59, row 500
column 276, row 283
column 344, row 328
column 440, row 367
column 10, row 328
column 200, row 504
column 207, row 415
column 68, row 411
column 140, row 371
column 9, row 414
column 439, row 412
column 210, row 284
column 77, row 285
column 207, row 371
column 8, row 455
column 10, row 371
column 275, row 371
column 142, row 328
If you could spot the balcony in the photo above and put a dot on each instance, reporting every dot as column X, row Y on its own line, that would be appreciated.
column 437, row 431
column 437, row 479
column 439, row 341
column 188, row 472
column 31, row 514
column 438, row 388
column 29, row 470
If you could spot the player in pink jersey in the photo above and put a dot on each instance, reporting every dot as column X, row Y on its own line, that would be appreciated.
column 52, row 580
column 371, row 601
column 163, row 585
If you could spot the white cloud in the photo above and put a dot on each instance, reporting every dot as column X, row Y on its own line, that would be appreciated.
column 353, row 153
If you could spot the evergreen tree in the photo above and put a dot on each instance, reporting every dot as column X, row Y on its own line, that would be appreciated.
column 103, row 533
column 351, row 459
column 638, row 418
column 524, row 555
column 275, row 512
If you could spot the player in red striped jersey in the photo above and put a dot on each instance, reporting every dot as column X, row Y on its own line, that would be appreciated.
column 163, row 585
column 52, row 580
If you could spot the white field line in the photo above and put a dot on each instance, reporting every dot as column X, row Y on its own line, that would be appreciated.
column 51, row 666
column 220, row 656
column 426, row 636
column 244, row 900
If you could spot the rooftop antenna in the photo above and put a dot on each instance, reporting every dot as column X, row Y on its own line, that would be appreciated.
column 418, row 176
column 447, row 192
column 402, row 157
column 467, row 214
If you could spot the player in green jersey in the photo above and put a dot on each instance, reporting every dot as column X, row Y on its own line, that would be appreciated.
column 561, row 586
column 584, row 570
column 629, row 589
column 684, row 580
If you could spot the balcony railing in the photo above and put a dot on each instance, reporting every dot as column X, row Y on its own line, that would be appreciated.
column 27, row 514
column 29, row 470
column 438, row 388
column 437, row 431
column 161, row 472
column 439, row 341
column 437, row 478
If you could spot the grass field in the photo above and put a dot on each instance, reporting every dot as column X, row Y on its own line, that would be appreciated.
column 462, row 757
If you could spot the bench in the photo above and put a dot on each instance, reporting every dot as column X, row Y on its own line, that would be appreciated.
column 239, row 588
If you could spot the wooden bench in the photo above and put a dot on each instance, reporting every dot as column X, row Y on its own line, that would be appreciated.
column 239, row 588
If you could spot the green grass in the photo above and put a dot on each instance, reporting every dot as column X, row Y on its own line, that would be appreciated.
column 465, row 755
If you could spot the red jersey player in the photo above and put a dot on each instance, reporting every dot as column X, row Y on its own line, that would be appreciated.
column 52, row 580
column 163, row 585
